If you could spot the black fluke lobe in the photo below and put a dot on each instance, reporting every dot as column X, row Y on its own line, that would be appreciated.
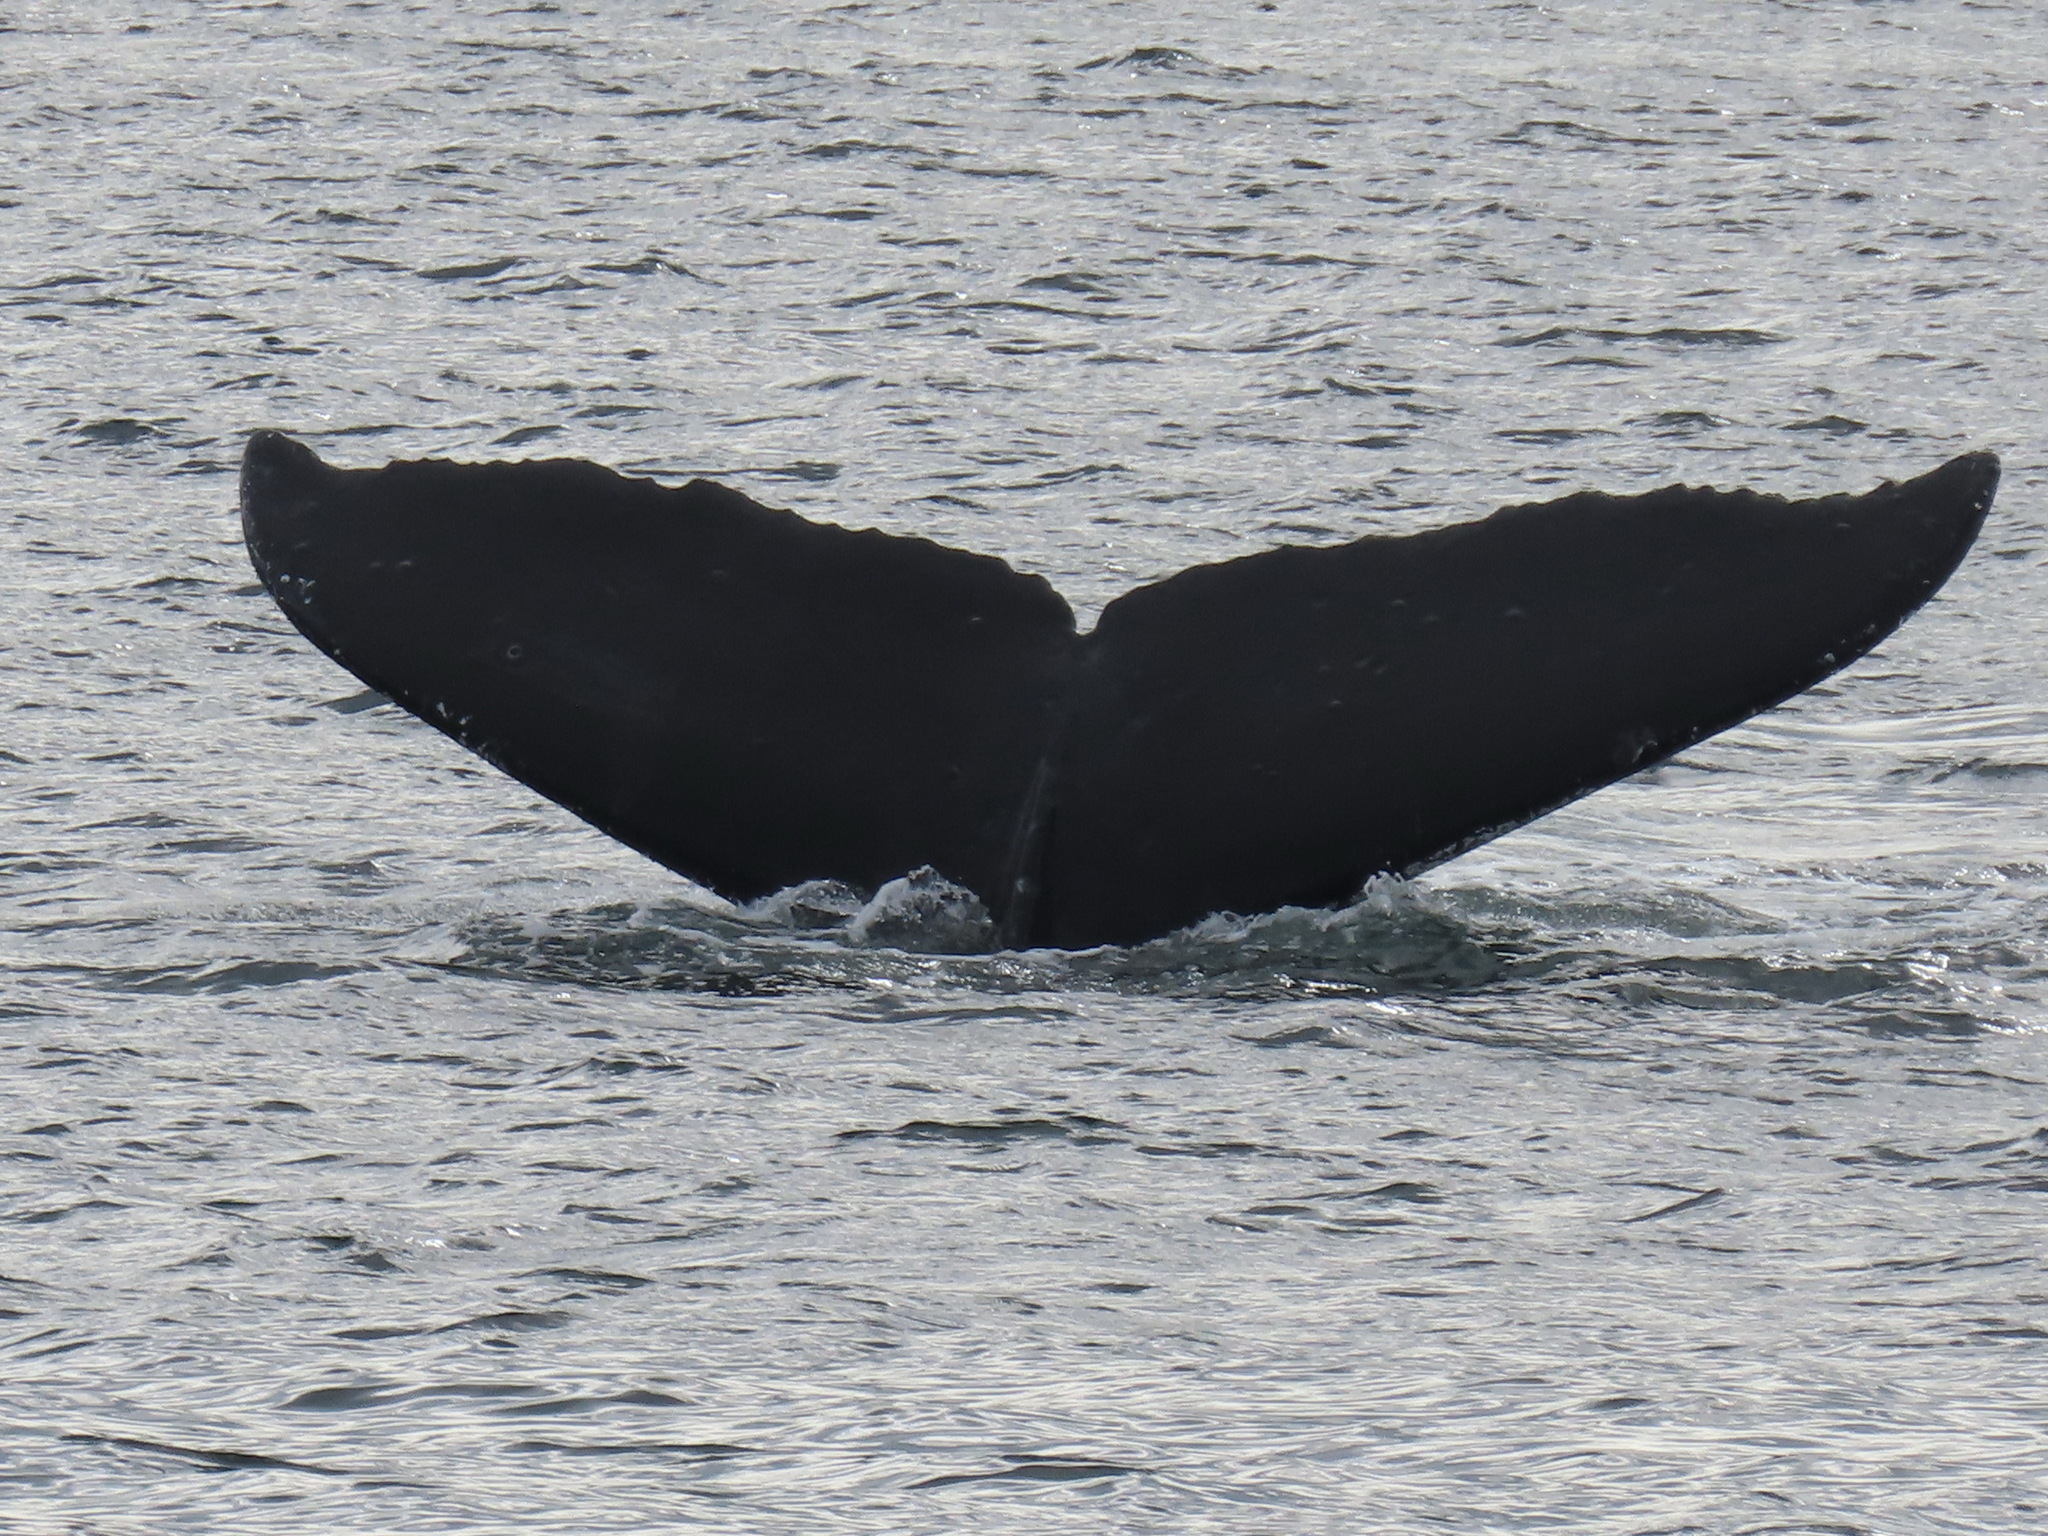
column 754, row 699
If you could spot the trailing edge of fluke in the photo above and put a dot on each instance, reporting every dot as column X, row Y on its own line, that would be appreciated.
column 756, row 700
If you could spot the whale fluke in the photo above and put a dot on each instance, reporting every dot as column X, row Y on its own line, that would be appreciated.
column 754, row 699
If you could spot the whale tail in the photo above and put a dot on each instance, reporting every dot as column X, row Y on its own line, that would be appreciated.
column 754, row 699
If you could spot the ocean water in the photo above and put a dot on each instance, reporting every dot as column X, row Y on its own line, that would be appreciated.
column 384, row 1150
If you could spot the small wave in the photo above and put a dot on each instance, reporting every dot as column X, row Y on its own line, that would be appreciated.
column 1670, row 335
column 694, row 1450
column 921, row 937
column 1550, row 437
column 1082, row 1130
column 207, row 1459
column 1036, row 1469
column 120, row 432
column 519, row 435
column 1970, row 727
column 1833, row 426
column 1986, row 769
column 470, row 271
column 924, row 912
column 1150, row 58
column 212, row 978
column 1658, row 912
column 923, row 929
column 1586, row 135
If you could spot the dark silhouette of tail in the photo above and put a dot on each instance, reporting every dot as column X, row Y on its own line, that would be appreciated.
column 754, row 699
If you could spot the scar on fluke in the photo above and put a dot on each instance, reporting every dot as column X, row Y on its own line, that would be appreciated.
column 755, row 700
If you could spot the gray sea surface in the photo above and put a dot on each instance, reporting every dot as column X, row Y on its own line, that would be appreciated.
column 386, row 1151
